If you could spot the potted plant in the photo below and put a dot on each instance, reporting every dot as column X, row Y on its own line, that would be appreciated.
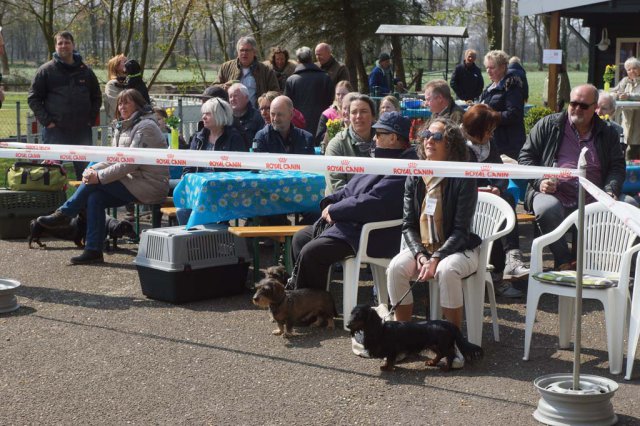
column 609, row 76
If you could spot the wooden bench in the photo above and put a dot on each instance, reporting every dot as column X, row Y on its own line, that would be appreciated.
column 171, row 213
column 525, row 218
column 280, row 234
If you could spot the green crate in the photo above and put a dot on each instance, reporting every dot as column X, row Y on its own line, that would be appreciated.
column 18, row 208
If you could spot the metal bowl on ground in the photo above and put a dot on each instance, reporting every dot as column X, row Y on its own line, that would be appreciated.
column 8, row 300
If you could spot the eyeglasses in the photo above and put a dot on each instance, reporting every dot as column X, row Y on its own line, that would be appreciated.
column 427, row 134
column 582, row 105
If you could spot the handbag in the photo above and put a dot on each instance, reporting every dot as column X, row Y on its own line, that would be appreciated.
column 22, row 176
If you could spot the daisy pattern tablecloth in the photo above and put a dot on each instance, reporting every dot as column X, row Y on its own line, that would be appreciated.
column 219, row 196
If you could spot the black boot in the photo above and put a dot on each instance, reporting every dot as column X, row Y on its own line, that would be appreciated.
column 55, row 220
column 88, row 257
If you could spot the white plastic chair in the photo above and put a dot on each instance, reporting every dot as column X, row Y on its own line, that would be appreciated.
column 490, row 215
column 607, row 254
column 351, row 270
column 634, row 323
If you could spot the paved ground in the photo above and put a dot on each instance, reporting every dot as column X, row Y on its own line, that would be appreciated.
column 87, row 347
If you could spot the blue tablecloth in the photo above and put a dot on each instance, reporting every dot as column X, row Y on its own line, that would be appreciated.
column 220, row 196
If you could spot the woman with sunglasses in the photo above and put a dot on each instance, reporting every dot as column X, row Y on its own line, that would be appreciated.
column 629, row 90
column 505, row 95
column 436, row 227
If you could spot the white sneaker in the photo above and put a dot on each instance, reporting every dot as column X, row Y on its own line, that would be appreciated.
column 514, row 267
column 458, row 360
column 357, row 345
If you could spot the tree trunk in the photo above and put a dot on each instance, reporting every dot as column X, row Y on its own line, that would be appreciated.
column 172, row 43
column 396, row 57
column 353, row 54
column 494, row 27
column 537, row 37
column 130, row 29
column 145, row 34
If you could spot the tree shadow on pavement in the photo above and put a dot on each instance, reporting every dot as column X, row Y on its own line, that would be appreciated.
column 86, row 300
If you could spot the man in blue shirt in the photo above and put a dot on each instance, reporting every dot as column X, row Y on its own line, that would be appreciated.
column 281, row 136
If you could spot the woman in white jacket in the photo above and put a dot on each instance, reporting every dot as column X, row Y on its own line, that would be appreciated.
column 629, row 90
column 107, row 185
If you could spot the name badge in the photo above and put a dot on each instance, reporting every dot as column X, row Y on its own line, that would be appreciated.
column 430, row 206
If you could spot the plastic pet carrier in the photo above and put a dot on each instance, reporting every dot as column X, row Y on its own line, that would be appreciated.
column 178, row 265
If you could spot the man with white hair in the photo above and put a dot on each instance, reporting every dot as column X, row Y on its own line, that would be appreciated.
column 328, row 64
column 605, row 110
column 281, row 136
column 256, row 76
column 249, row 120
column 310, row 89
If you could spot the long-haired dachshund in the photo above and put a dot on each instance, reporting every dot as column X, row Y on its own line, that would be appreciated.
column 387, row 339
column 294, row 307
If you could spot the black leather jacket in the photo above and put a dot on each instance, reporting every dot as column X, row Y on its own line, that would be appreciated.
column 460, row 198
column 543, row 142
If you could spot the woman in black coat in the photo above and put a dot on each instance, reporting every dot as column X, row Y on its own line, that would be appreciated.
column 438, row 213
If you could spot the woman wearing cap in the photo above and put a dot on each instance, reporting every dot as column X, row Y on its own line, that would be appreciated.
column 504, row 95
column 354, row 141
column 436, row 226
column 366, row 198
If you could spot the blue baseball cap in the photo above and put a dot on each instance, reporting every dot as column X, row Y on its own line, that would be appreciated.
column 395, row 123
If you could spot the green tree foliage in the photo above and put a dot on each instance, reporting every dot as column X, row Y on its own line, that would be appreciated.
column 337, row 22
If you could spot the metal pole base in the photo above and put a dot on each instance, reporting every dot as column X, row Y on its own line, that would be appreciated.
column 8, row 300
column 562, row 405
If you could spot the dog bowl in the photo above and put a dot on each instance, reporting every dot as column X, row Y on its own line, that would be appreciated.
column 8, row 300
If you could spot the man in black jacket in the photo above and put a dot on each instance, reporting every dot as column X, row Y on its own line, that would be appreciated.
column 310, row 89
column 281, row 136
column 65, row 97
column 556, row 141
column 466, row 80
column 248, row 119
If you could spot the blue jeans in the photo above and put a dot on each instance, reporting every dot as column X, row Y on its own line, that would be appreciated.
column 95, row 199
column 59, row 136
column 550, row 213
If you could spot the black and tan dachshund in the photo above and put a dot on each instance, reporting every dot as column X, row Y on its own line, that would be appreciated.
column 388, row 339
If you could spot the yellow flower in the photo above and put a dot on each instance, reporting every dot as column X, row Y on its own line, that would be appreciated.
column 334, row 125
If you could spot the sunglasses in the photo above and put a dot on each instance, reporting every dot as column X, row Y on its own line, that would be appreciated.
column 379, row 133
column 581, row 105
column 427, row 134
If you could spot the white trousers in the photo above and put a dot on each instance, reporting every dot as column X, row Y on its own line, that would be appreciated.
column 449, row 274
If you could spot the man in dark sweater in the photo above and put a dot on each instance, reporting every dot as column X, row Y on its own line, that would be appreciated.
column 466, row 80
column 65, row 97
column 310, row 89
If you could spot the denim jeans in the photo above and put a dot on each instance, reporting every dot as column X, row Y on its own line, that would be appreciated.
column 95, row 199
column 59, row 136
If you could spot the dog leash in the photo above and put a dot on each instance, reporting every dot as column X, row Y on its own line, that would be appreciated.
column 393, row 308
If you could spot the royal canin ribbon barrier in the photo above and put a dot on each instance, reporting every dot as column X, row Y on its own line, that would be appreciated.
column 310, row 163
column 266, row 161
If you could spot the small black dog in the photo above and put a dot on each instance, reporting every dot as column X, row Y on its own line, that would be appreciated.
column 388, row 339
column 76, row 231
column 134, row 79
